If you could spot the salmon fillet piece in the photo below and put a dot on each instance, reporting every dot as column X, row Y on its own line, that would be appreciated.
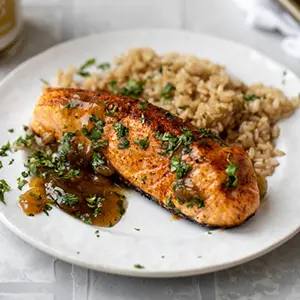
column 209, row 183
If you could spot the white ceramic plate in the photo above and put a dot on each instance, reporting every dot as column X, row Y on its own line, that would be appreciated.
column 167, row 248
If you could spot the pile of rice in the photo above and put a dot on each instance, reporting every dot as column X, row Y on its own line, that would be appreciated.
column 202, row 93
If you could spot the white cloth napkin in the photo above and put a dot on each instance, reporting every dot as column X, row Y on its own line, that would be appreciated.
column 268, row 15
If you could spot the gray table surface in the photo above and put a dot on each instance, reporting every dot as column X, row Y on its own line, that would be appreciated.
column 26, row 273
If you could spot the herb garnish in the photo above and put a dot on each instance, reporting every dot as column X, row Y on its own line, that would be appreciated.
column 104, row 66
column 4, row 149
column 160, row 70
column 133, row 88
column 45, row 82
column 36, row 196
column 179, row 167
column 1, row 165
column 124, row 143
column 96, row 132
column 23, row 142
column 143, row 105
column 284, row 77
column 122, row 131
column 183, row 106
column 171, row 143
column 71, row 105
column 11, row 162
column 143, row 143
column 4, row 187
column 231, row 170
column 11, row 130
column 250, row 97
column 21, row 182
column 169, row 202
column 138, row 266
column 168, row 91
column 97, row 161
column 144, row 179
column 111, row 112
column 24, row 174
column 87, row 64
column 196, row 201
column 47, row 208
column 121, row 207
column 114, row 87
column 137, row 229
column 68, row 199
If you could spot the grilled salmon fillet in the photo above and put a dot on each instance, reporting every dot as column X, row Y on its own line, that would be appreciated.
column 188, row 171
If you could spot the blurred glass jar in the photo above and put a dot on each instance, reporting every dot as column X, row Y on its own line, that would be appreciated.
column 11, row 25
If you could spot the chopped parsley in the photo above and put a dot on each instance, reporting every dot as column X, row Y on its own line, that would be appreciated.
column 160, row 70
column 97, row 161
column 120, row 129
column 69, row 199
column 111, row 112
column 210, row 134
column 250, row 97
column 104, row 66
column 169, row 202
column 1, row 165
column 11, row 162
column 25, row 127
column 138, row 266
column 121, row 207
column 209, row 232
column 71, row 173
column 45, row 82
column 96, row 132
column 143, row 143
column 137, row 229
column 168, row 91
column 232, row 180
column 124, row 143
column 183, row 106
column 171, row 143
column 93, row 118
column 196, row 201
column 23, row 142
column 284, row 77
column 133, row 88
column 46, row 209
column 82, row 70
column 144, row 179
column 4, row 187
column 11, row 130
column 21, row 182
column 4, row 149
column 71, row 105
column 36, row 196
column 179, row 167
column 143, row 105
column 114, row 87
column 24, row 174
column 65, row 146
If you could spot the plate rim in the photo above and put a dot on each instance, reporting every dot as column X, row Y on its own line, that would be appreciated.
column 143, row 272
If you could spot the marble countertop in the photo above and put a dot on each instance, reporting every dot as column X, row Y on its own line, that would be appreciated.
column 26, row 273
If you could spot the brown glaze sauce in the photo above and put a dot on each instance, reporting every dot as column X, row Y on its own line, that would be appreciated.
column 112, row 208
column 93, row 196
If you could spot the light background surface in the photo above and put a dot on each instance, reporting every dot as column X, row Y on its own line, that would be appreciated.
column 28, row 274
